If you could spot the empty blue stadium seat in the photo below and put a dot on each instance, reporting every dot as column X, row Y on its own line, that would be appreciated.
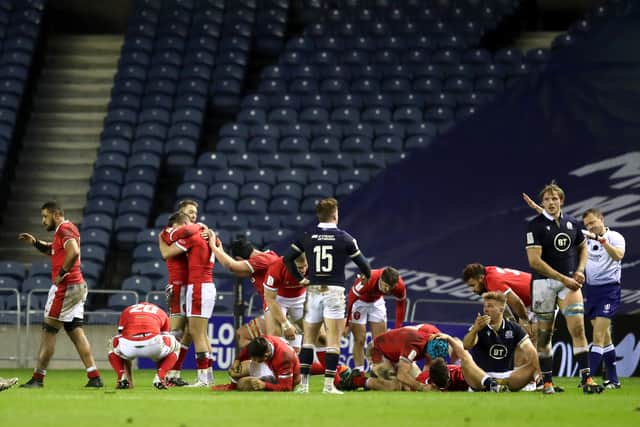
column 120, row 301
column 140, row 284
column 220, row 205
column 224, row 189
column 252, row 206
column 146, row 252
column 95, row 235
column 94, row 253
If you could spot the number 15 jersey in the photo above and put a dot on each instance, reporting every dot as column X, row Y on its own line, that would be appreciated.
column 328, row 249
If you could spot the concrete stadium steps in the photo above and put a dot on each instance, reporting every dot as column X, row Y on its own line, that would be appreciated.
column 62, row 138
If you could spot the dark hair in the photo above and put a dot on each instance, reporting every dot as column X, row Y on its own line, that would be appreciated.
column 439, row 373
column 593, row 211
column 52, row 207
column 326, row 209
column 258, row 347
column 185, row 202
column 178, row 218
column 241, row 247
column 473, row 271
column 390, row 276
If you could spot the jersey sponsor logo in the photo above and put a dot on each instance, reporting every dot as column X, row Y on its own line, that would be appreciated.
column 412, row 355
column 569, row 225
column 529, row 238
column 498, row 351
column 562, row 242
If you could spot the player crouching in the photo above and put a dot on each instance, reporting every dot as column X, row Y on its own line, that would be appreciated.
column 144, row 332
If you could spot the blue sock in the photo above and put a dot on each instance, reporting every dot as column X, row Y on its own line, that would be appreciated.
column 306, row 359
column 595, row 359
column 609, row 357
column 581, row 356
column 546, row 367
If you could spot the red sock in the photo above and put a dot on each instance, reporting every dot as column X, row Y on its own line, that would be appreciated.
column 180, row 360
column 320, row 355
column 117, row 364
column 93, row 372
column 166, row 364
column 202, row 363
column 39, row 375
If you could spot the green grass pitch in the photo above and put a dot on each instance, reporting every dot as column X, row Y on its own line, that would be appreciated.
column 65, row 403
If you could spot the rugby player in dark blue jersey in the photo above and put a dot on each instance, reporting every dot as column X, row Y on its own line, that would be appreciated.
column 557, row 253
column 328, row 249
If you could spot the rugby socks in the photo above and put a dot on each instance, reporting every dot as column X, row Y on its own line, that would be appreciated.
column 331, row 364
column 117, row 364
column 184, row 349
column 39, row 374
column 92, row 372
column 609, row 357
column 595, row 358
column 165, row 364
column 202, row 360
column 581, row 355
column 306, row 359
column 317, row 367
column 546, row 368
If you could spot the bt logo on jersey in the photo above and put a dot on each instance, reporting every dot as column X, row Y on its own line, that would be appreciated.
column 498, row 351
column 562, row 242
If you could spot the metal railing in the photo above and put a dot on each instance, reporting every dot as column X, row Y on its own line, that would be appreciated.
column 17, row 313
column 27, row 358
column 446, row 302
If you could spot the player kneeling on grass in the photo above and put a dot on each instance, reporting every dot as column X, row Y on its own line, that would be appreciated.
column 267, row 363
column 144, row 332
column 441, row 376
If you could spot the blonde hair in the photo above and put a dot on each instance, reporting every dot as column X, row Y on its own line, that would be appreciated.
column 496, row 296
column 552, row 187
column 326, row 209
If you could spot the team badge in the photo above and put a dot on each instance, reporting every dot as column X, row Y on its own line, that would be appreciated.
column 508, row 334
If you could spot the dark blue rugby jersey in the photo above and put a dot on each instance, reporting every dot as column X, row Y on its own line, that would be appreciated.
column 328, row 249
column 559, row 242
column 495, row 349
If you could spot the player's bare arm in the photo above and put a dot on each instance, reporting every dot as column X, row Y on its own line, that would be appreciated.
column 40, row 245
column 518, row 307
column 471, row 337
column 288, row 329
column 614, row 252
column 405, row 377
column 239, row 268
column 533, row 205
column 167, row 251
column 534, row 256
column 582, row 262
column 527, row 348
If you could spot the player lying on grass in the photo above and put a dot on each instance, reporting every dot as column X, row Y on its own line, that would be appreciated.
column 267, row 363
